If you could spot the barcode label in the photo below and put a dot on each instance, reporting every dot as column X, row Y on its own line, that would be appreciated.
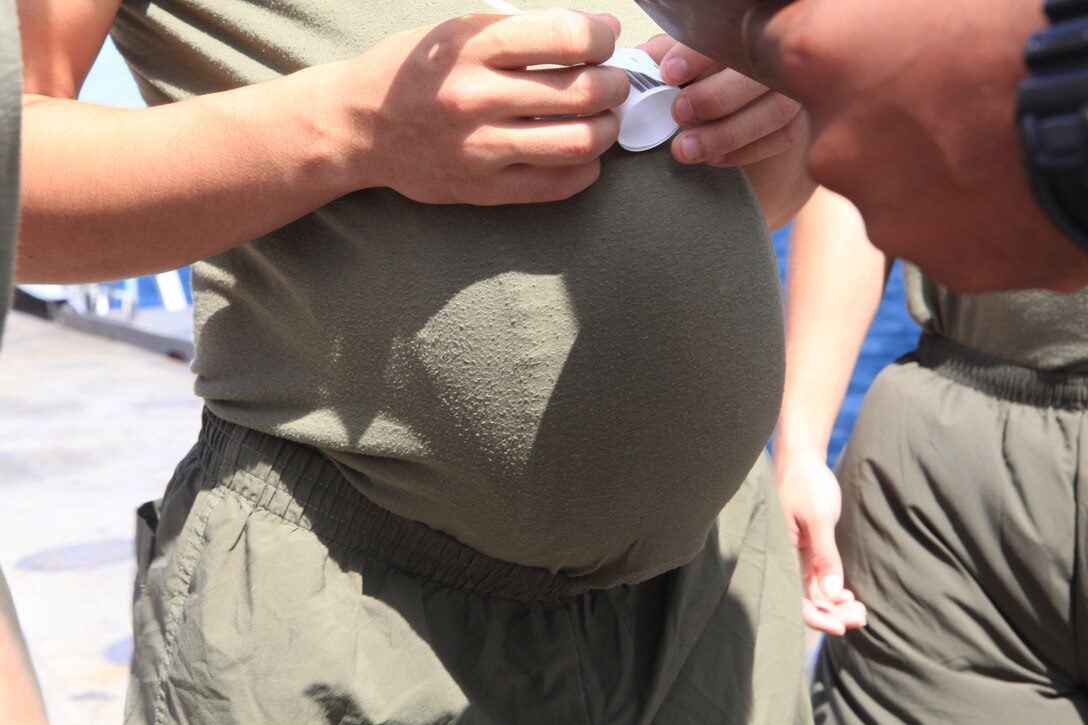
column 642, row 82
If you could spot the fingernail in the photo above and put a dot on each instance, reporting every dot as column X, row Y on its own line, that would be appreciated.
column 676, row 70
column 684, row 112
column 831, row 585
column 690, row 148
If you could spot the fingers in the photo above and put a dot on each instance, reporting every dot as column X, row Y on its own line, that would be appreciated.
column 769, row 114
column 827, row 606
column 682, row 64
column 611, row 20
column 554, row 142
column 852, row 614
column 785, row 138
column 821, row 620
column 550, row 37
column 658, row 46
column 517, row 183
column 720, row 95
column 835, row 615
column 545, row 160
column 580, row 91
column 835, row 620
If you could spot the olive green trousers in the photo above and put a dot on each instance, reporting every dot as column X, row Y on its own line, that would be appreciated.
column 270, row 591
column 964, row 531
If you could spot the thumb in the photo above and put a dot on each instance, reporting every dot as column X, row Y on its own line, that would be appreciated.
column 825, row 563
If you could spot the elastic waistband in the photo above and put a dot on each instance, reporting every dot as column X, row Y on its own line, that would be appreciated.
column 298, row 484
column 1002, row 379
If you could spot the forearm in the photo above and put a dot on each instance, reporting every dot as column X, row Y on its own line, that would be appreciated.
column 833, row 288
column 19, row 699
column 437, row 113
column 111, row 193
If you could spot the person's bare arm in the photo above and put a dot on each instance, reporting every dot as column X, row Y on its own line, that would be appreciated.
column 834, row 284
column 111, row 193
column 19, row 700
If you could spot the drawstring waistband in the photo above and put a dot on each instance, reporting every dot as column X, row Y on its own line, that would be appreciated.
column 298, row 484
column 1002, row 379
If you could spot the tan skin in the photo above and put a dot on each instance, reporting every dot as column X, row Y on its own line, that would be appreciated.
column 911, row 106
column 247, row 161
column 732, row 120
column 20, row 703
column 834, row 284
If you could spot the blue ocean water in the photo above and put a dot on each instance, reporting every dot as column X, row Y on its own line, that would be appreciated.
column 892, row 334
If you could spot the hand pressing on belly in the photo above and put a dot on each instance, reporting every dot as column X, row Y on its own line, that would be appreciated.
column 732, row 120
column 457, row 112
column 729, row 119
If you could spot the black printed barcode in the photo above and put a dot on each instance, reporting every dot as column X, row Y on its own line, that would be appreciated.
column 642, row 81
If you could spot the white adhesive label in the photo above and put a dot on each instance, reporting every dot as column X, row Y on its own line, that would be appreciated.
column 646, row 116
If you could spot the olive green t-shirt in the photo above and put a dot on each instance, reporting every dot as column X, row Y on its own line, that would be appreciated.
column 1035, row 328
column 578, row 386
column 11, row 105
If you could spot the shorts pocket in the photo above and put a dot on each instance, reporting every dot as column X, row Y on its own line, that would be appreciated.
column 147, row 524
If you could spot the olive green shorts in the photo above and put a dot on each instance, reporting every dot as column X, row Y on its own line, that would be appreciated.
column 270, row 591
column 965, row 533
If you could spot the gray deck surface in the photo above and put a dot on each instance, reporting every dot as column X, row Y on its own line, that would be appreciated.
column 89, row 429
